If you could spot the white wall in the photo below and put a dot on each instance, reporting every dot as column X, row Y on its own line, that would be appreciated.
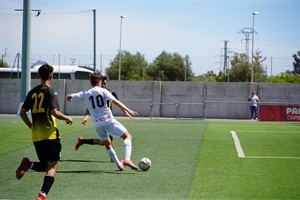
column 223, row 100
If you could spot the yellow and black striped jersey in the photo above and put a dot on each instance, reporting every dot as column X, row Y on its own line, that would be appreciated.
column 41, row 100
column 109, row 103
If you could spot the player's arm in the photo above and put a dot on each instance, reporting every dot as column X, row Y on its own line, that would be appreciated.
column 25, row 118
column 59, row 115
column 78, row 95
column 124, row 111
column 124, row 108
column 127, row 114
column 69, row 97
column 114, row 94
column 87, row 114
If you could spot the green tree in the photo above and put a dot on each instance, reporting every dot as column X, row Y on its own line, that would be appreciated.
column 188, row 74
column 296, row 64
column 133, row 67
column 284, row 77
column 170, row 67
column 3, row 64
column 241, row 68
column 259, row 74
column 210, row 76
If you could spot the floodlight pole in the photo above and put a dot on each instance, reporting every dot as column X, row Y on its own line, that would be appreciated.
column 26, row 71
column 94, row 25
column 120, row 49
column 252, row 60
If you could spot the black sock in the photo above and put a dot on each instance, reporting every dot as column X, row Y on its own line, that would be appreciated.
column 48, row 182
column 88, row 141
column 39, row 166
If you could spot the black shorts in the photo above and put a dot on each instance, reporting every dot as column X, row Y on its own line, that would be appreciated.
column 48, row 150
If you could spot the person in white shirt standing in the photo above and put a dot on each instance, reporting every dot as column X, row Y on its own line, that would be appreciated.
column 253, row 106
column 104, row 122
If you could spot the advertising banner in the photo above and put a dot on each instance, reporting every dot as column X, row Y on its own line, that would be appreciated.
column 289, row 113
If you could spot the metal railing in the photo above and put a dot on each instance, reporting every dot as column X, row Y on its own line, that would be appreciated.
column 207, row 109
column 177, row 107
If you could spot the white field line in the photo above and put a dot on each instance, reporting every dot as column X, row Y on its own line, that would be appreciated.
column 241, row 154
column 273, row 157
column 268, row 131
column 237, row 144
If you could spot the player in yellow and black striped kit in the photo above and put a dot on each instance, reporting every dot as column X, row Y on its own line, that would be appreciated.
column 43, row 104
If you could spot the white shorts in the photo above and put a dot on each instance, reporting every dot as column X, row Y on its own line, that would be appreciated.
column 113, row 128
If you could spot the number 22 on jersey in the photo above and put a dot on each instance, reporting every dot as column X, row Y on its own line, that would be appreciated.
column 38, row 102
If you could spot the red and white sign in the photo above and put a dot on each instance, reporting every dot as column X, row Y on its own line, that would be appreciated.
column 289, row 113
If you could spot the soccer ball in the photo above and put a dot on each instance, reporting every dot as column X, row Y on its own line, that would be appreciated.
column 145, row 164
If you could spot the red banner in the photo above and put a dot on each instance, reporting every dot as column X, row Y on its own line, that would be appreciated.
column 289, row 113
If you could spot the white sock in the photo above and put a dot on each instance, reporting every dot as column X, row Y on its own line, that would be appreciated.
column 127, row 149
column 112, row 154
column 43, row 193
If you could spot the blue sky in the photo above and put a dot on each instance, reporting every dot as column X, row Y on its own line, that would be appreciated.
column 197, row 28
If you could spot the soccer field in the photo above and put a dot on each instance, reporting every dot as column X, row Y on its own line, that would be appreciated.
column 191, row 159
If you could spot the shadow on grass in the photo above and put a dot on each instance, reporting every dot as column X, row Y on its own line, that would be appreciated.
column 99, row 161
column 89, row 171
column 96, row 172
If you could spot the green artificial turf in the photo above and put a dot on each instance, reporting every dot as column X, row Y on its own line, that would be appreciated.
column 272, row 174
column 173, row 147
column 191, row 159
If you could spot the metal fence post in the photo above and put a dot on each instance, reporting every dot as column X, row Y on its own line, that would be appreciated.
column 177, row 110
column 204, row 110
column 151, row 110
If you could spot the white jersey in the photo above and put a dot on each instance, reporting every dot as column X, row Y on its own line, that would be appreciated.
column 254, row 99
column 96, row 101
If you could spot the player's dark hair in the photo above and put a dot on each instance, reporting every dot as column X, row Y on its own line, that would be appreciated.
column 95, row 78
column 104, row 77
column 45, row 71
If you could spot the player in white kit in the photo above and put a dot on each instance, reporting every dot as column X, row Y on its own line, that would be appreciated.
column 104, row 122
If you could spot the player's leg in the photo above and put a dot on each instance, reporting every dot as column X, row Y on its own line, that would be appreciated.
column 81, row 141
column 48, row 180
column 255, row 112
column 128, row 150
column 119, row 130
column 113, row 155
column 23, row 168
column 51, row 153
column 112, row 144
column 104, row 137
column 252, row 111
column 26, row 164
column 111, row 140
